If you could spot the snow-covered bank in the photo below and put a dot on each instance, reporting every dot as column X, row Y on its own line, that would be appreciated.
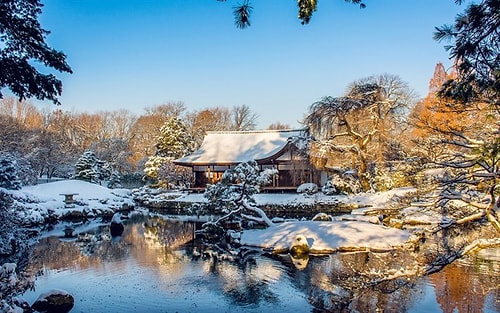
column 369, row 199
column 327, row 237
column 47, row 200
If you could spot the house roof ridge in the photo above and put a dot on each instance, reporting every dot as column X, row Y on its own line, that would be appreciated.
column 262, row 131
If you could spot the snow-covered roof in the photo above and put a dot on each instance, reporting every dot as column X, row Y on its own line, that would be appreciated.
column 239, row 146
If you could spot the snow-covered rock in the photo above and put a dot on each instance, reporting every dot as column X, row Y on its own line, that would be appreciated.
column 55, row 300
column 299, row 246
column 308, row 188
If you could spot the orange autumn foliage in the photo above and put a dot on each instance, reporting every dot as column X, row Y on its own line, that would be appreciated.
column 433, row 114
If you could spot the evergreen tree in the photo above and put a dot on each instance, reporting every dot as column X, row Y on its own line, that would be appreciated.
column 91, row 169
column 242, row 12
column 232, row 198
column 84, row 167
column 475, row 36
column 174, row 140
column 22, row 42
column 8, row 173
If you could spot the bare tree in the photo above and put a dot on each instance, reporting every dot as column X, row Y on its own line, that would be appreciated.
column 243, row 118
column 211, row 119
column 168, row 109
column 464, row 141
column 278, row 125
column 24, row 112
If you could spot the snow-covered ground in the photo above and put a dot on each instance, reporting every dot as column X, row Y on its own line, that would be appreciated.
column 370, row 200
column 326, row 237
column 43, row 200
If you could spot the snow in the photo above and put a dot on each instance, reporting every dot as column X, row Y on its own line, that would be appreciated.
column 39, row 200
column 84, row 190
column 308, row 188
column 52, row 292
column 326, row 237
column 365, row 201
column 241, row 146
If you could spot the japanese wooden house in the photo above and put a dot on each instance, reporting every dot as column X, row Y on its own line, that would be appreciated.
column 279, row 149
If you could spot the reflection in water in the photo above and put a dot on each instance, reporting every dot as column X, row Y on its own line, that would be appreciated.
column 469, row 285
column 155, row 267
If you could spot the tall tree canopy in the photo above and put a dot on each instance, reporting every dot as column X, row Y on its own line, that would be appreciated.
column 475, row 38
column 22, row 43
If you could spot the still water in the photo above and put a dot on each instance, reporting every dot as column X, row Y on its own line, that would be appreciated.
column 156, row 267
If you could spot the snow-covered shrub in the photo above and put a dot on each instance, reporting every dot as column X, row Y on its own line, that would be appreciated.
column 90, row 168
column 151, row 168
column 381, row 179
column 395, row 175
column 161, row 172
column 346, row 182
column 308, row 188
column 15, row 171
column 329, row 189
column 114, row 180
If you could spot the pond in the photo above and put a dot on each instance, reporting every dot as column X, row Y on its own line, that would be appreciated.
column 155, row 266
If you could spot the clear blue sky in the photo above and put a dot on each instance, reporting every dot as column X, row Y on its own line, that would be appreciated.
column 137, row 53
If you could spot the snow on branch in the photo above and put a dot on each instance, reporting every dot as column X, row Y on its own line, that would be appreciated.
column 233, row 195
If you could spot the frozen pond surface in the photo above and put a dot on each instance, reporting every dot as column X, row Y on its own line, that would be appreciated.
column 150, row 268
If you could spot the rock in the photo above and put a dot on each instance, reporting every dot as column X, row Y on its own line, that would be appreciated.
column 116, row 227
column 308, row 188
column 322, row 217
column 68, row 231
column 74, row 215
column 299, row 247
column 54, row 301
column 374, row 219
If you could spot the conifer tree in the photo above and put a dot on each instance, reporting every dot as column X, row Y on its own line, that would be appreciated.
column 22, row 42
column 8, row 173
column 173, row 142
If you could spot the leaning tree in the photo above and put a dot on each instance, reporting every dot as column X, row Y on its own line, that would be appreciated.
column 232, row 199
column 358, row 123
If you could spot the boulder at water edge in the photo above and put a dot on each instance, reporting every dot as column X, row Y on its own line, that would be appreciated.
column 54, row 301
column 299, row 247
column 116, row 228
